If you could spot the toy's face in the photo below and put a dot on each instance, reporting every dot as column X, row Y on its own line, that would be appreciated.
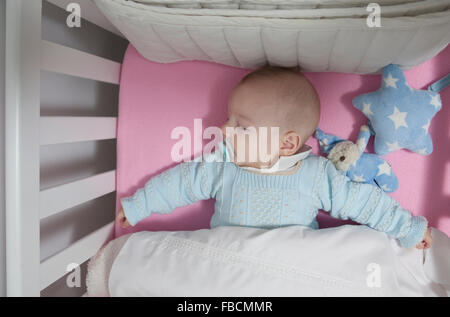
column 343, row 155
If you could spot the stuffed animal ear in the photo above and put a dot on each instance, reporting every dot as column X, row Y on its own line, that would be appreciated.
column 363, row 138
column 326, row 141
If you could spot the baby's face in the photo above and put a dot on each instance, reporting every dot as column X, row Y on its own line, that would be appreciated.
column 252, row 126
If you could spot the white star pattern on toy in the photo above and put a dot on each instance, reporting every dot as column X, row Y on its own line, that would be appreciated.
column 399, row 118
column 384, row 169
column 390, row 81
column 393, row 146
column 359, row 178
column 366, row 109
column 435, row 101
column 385, row 188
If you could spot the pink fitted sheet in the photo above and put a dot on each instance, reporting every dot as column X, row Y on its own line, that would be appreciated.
column 155, row 98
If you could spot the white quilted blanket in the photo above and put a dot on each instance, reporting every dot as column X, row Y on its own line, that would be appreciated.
column 318, row 35
column 290, row 261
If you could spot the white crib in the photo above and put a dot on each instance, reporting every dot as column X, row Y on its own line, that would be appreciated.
column 54, row 156
column 28, row 202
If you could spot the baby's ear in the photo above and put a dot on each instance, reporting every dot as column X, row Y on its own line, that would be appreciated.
column 290, row 143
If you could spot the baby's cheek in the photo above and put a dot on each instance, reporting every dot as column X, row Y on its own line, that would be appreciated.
column 254, row 148
column 268, row 146
column 262, row 150
column 244, row 148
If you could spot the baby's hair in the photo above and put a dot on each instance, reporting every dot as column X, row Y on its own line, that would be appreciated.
column 294, row 89
column 269, row 70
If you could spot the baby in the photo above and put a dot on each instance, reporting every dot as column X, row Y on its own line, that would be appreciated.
column 289, row 185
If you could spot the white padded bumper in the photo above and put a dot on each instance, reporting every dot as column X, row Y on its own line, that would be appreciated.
column 324, row 39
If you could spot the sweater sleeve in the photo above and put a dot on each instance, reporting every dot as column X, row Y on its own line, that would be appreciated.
column 368, row 205
column 181, row 185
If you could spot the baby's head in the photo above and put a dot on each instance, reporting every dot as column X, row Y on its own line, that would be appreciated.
column 272, row 97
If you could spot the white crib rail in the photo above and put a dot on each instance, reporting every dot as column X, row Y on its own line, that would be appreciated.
column 66, row 60
column 23, row 34
column 80, row 251
column 26, row 131
column 76, row 129
column 59, row 198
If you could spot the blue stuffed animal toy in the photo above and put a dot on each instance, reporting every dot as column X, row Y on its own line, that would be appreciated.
column 350, row 159
column 399, row 114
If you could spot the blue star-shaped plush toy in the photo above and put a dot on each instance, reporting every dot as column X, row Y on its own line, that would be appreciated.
column 399, row 115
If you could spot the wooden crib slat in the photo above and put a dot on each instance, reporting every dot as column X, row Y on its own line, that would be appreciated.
column 55, row 267
column 59, row 198
column 54, row 130
column 65, row 60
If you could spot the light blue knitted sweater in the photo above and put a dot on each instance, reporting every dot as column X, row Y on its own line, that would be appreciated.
column 245, row 198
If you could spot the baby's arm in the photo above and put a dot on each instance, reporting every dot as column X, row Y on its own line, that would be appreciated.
column 368, row 205
column 181, row 185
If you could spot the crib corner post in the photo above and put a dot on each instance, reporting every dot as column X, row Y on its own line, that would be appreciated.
column 22, row 115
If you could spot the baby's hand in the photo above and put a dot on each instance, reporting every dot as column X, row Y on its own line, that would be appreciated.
column 121, row 219
column 426, row 242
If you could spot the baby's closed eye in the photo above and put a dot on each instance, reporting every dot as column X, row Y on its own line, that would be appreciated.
column 238, row 127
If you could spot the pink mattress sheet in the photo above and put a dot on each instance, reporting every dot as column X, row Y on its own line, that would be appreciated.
column 155, row 98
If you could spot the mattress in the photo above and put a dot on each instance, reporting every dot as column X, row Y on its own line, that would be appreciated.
column 334, row 37
column 156, row 98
